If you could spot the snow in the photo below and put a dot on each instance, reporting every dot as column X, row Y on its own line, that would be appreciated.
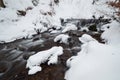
column 84, row 29
column 51, row 55
column 86, row 38
column 11, row 30
column 74, row 8
column 34, row 70
column 62, row 38
column 11, row 16
column 95, row 61
column 111, row 35
column 69, row 27
column 18, row 4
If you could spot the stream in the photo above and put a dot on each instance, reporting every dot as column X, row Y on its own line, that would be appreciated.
column 14, row 55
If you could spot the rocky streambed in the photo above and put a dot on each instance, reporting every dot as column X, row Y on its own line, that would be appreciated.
column 14, row 55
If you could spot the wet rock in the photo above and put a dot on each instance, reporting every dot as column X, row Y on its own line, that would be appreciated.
column 22, row 13
column 76, row 33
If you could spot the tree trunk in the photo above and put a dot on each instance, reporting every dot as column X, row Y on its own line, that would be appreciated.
column 1, row 3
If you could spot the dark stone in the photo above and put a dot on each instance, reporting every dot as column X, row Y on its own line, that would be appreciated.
column 22, row 13
column 93, row 27
column 56, row 1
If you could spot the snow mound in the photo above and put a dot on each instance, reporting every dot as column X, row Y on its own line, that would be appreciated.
column 69, row 27
column 86, row 38
column 95, row 61
column 112, row 34
column 62, row 38
column 51, row 55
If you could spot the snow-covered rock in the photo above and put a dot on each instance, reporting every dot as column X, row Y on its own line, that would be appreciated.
column 62, row 38
column 86, row 38
column 112, row 34
column 34, row 61
column 69, row 27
